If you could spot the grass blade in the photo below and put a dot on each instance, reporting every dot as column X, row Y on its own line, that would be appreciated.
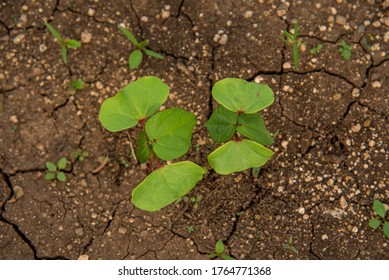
column 153, row 54
column 72, row 43
column 54, row 32
column 64, row 52
column 296, row 56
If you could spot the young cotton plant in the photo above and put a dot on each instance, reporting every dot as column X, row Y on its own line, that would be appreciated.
column 65, row 44
column 136, row 56
column 164, row 135
column 238, row 117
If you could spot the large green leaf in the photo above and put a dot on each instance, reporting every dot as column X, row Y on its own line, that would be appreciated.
column 166, row 185
column 142, row 147
column 235, row 156
column 240, row 96
column 136, row 101
column 170, row 132
column 253, row 127
column 221, row 125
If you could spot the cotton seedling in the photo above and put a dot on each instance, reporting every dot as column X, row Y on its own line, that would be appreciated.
column 65, row 44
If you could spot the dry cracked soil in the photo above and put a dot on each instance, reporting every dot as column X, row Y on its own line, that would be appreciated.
column 331, row 152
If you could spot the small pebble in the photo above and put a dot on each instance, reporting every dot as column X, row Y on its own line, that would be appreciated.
column 83, row 258
column 19, row 38
column 248, row 14
column 13, row 119
column 287, row 65
column 86, row 37
column 375, row 84
column 343, row 203
column 79, row 232
column 18, row 192
column 341, row 20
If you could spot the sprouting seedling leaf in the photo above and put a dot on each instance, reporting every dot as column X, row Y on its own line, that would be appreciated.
column 55, row 171
column 51, row 166
column 72, row 43
column 316, row 49
column 374, row 223
column 61, row 176
column 380, row 211
column 379, row 208
column 291, row 246
column 54, row 32
column 62, row 163
column 136, row 101
column 166, row 184
column 77, row 84
column 219, row 252
column 219, row 248
column 386, row 229
column 136, row 56
column 345, row 50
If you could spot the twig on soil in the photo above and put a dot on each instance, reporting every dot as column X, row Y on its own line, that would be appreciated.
column 101, row 166
column 132, row 147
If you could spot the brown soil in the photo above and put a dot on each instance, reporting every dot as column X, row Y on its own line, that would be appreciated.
column 331, row 157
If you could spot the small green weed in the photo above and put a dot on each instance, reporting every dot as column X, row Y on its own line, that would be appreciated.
column 136, row 56
column 382, row 218
column 65, row 44
column 76, row 84
column 219, row 252
column 345, row 50
column 80, row 155
column 293, row 40
column 316, row 49
column 190, row 229
column 56, row 171
column 291, row 246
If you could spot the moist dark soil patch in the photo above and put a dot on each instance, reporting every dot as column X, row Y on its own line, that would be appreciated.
column 331, row 153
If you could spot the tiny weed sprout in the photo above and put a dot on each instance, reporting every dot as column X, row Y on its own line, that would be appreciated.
column 164, row 135
column 219, row 252
column 238, row 116
column 65, row 44
column 76, row 84
column 382, row 219
column 56, row 171
column 136, row 56
column 345, row 50
column 316, row 49
column 294, row 41
column 80, row 155
column 290, row 246
column 190, row 229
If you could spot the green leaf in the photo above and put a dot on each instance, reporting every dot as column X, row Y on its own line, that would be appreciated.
column 153, row 54
column 255, row 171
column 219, row 248
column 235, row 156
column 49, row 176
column 54, row 32
column 294, row 250
column 227, row 257
column 386, row 229
column 379, row 208
column 166, row 185
column 64, row 52
column 136, row 101
column 51, row 166
column 240, row 96
column 296, row 31
column 143, row 149
column 374, row 223
column 253, row 127
column 143, row 44
column 170, row 132
column 213, row 255
column 77, row 84
column 129, row 35
column 296, row 56
column 221, row 124
column 72, row 43
column 316, row 49
column 135, row 59
column 62, row 163
column 61, row 176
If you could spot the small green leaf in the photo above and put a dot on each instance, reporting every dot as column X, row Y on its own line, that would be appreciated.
column 227, row 257
column 170, row 132
column 77, row 84
column 240, row 96
column 143, row 44
column 135, row 59
column 51, row 166
column 136, row 101
column 143, row 149
column 166, row 184
column 64, row 52
column 379, row 208
column 129, row 35
column 72, row 43
column 296, row 31
column 316, row 49
column 374, row 223
column 296, row 55
column 221, row 124
column 386, row 229
column 235, row 156
column 253, row 127
column 62, row 163
column 49, row 176
column 61, row 176
column 213, row 255
column 54, row 32
column 345, row 50
column 219, row 248
column 294, row 250
column 153, row 54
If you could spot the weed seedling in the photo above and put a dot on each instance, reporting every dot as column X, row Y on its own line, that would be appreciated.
column 164, row 135
column 65, row 44
column 345, row 50
column 293, row 40
column 382, row 218
column 316, row 49
column 219, row 252
column 136, row 56
column 56, row 171
column 190, row 229
column 76, row 84
column 80, row 155
column 290, row 246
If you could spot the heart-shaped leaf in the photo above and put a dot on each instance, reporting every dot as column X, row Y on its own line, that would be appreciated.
column 253, row 127
column 374, row 223
column 235, row 156
column 240, row 96
column 135, row 59
column 143, row 148
column 170, row 132
column 221, row 124
column 136, row 101
column 166, row 184
column 379, row 208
